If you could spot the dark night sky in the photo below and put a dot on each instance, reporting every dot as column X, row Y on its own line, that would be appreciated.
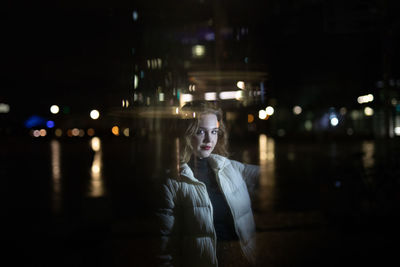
column 73, row 54
column 68, row 56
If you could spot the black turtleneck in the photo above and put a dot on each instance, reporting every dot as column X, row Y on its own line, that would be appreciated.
column 223, row 220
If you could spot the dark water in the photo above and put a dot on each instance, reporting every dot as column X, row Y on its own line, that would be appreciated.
column 78, row 202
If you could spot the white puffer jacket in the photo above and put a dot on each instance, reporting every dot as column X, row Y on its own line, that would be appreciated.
column 187, row 228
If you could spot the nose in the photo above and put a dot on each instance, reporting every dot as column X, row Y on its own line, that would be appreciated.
column 206, row 138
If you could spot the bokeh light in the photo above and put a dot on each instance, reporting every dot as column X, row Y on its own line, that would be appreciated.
column 250, row 118
column 4, row 108
column 50, row 124
column 334, row 121
column 297, row 110
column 75, row 132
column 126, row 132
column 115, row 130
column 90, row 131
column 397, row 130
column 365, row 98
column 262, row 114
column 135, row 15
column 94, row 114
column 54, row 109
column 308, row 125
column 198, row 50
column 36, row 133
column 269, row 110
column 58, row 132
column 240, row 84
column 368, row 111
column 95, row 144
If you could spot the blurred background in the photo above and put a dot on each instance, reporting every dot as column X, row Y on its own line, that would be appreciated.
column 90, row 95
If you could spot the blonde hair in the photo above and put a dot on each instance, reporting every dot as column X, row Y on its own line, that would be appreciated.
column 193, row 112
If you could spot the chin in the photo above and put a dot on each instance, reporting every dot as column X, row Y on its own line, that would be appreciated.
column 204, row 155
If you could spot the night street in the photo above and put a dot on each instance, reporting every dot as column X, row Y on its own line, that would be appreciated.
column 319, row 204
column 102, row 106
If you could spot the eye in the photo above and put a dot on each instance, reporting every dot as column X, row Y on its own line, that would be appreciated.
column 199, row 132
column 214, row 131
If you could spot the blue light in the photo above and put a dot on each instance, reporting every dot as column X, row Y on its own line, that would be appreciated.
column 210, row 36
column 34, row 121
column 50, row 124
column 135, row 15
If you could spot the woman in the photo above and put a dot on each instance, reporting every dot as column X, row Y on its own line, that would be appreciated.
column 207, row 218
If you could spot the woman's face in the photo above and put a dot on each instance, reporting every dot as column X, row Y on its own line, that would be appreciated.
column 206, row 136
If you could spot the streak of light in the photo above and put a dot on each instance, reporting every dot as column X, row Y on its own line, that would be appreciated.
column 96, row 183
column 267, row 189
column 56, row 175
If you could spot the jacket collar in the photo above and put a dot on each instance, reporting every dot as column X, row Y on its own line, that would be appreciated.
column 217, row 163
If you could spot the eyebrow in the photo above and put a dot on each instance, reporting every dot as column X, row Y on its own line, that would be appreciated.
column 200, row 127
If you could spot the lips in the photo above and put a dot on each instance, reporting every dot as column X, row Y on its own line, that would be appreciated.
column 205, row 147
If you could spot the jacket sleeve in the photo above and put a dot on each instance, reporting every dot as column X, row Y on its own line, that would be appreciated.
column 168, row 221
column 250, row 174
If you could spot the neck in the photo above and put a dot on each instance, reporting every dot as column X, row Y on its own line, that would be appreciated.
column 195, row 161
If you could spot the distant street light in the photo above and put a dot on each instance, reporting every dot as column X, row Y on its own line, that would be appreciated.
column 54, row 109
column 262, row 114
column 269, row 110
column 334, row 121
column 365, row 98
column 198, row 51
column 240, row 85
column 4, row 108
column 368, row 111
column 297, row 110
column 94, row 114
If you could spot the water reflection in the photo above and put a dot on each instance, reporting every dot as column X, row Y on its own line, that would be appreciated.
column 56, row 175
column 177, row 152
column 96, row 185
column 368, row 161
column 368, row 149
column 267, row 172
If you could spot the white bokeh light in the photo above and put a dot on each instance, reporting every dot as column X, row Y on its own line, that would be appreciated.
column 54, row 109
column 94, row 114
column 334, row 121
column 297, row 110
column 368, row 111
column 262, row 114
column 240, row 84
column 269, row 110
